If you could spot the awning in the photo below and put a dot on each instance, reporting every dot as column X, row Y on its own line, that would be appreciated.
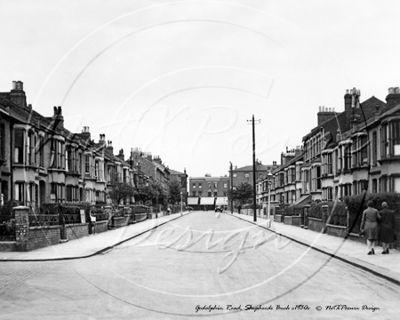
column 221, row 201
column 192, row 200
column 207, row 201
column 303, row 200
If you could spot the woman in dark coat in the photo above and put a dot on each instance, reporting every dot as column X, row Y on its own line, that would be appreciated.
column 369, row 226
column 386, row 227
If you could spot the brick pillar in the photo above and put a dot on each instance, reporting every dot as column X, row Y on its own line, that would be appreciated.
column 306, row 210
column 21, row 227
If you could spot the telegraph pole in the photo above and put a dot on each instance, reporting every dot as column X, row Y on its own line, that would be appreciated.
column 254, row 167
column 231, row 185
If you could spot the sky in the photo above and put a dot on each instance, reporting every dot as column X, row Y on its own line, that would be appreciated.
column 182, row 79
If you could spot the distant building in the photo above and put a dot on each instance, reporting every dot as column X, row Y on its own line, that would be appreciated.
column 208, row 192
column 245, row 174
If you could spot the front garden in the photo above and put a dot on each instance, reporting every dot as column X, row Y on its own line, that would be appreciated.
column 340, row 218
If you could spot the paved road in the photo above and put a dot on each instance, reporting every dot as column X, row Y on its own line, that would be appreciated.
column 215, row 263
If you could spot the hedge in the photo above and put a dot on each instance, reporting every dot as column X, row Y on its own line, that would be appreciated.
column 293, row 210
column 315, row 210
column 357, row 204
column 336, row 215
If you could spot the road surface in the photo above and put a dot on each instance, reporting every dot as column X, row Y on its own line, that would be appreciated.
column 202, row 265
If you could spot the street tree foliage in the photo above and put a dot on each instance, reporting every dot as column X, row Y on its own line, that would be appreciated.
column 121, row 191
column 242, row 194
column 151, row 193
column 174, row 192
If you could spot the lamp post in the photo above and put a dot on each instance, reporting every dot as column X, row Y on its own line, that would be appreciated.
column 269, row 175
column 181, row 202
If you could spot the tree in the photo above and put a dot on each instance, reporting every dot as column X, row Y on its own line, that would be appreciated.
column 174, row 191
column 242, row 194
column 121, row 191
column 152, row 192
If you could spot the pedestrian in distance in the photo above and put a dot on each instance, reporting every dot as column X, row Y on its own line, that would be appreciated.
column 386, row 227
column 369, row 226
column 168, row 211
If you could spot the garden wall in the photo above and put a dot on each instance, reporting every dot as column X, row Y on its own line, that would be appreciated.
column 76, row 231
column 120, row 221
column 288, row 220
column 40, row 237
column 8, row 246
column 337, row 231
column 101, row 226
column 138, row 217
column 296, row 221
column 315, row 224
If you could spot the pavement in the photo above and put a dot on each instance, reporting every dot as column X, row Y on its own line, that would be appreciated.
column 346, row 250
column 88, row 246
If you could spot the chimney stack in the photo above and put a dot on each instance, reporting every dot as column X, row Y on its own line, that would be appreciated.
column 393, row 98
column 325, row 114
column 351, row 106
column 85, row 133
column 121, row 154
column 102, row 139
column 109, row 147
column 57, row 116
column 17, row 94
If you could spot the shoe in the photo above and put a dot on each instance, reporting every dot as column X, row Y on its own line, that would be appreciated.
column 387, row 251
column 384, row 252
column 373, row 251
column 369, row 253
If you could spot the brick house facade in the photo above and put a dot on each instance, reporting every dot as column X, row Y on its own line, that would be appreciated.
column 347, row 153
column 41, row 161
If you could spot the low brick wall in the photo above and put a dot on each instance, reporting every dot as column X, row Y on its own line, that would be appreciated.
column 76, row 231
column 40, row 237
column 296, row 221
column 288, row 220
column 337, row 231
column 315, row 224
column 278, row 218
column 7, row 246
column 140, row 217
column 118, row 222
column 101, row 226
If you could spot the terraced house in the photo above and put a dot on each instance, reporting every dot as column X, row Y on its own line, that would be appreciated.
column 41, row 161
column 345, row 154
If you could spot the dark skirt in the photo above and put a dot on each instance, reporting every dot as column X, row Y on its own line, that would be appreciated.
column 386, row 234
column 371, row 231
